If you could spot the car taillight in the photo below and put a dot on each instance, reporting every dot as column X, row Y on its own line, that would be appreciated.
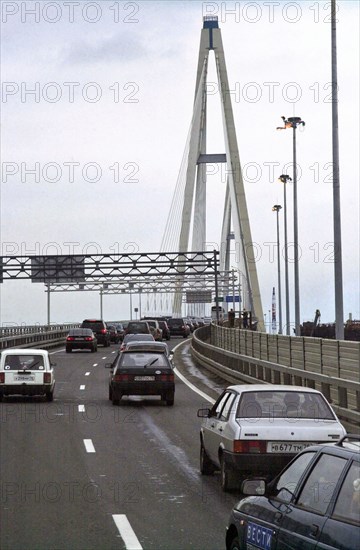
column 2, row 377
column 249, row 446
column 47, row 377
column 103, row 331
column 89, row 338
column 70, row 338
column 121, row 377
column 167, row 378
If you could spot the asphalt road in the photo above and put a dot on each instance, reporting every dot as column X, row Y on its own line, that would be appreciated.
column 81, row 474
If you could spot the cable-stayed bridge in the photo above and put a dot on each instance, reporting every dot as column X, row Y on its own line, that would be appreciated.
column 183, row 265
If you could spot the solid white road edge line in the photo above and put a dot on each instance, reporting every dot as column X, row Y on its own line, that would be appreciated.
column 89, row 446
column 126, row 532
column 194, row 388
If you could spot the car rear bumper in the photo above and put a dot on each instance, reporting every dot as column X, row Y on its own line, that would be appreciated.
column 265, row 464
column 26, row 389
column 80, row 345
column 143, row 388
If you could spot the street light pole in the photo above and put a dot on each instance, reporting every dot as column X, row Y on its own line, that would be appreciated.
column 294, row 122
column 284, row 178
column 339, row 307
column 276, row 208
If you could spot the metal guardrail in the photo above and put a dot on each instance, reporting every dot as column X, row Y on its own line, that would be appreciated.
column 37, row 336
column 210, row 347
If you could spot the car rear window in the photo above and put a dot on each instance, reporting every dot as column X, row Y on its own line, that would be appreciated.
column 96, row 326
column 282, row 404
column 136, row 360
column 80, row 332
column 176, row 322
column 24, row 362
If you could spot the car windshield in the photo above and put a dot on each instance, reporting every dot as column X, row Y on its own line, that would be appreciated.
column 134, row 360
column 284, row 404
column 24, row 362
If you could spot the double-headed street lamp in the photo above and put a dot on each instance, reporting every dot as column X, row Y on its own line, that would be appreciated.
column 294, row 122
column 284, row 178
column 276, row 208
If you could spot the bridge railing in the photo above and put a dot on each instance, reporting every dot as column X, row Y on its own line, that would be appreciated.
column 37, row 336
column 246, row 356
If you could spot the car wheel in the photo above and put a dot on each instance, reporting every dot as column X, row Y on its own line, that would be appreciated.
column 170, row 400
column 115, row 400
column 110, row 393
column 1, row 397
column 235, row 544
column 93, row 349
column 226, row 475
column 206, row 466
column 50, row 396
column 68, row 350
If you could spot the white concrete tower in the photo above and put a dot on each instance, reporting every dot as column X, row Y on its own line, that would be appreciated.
column 235, row 208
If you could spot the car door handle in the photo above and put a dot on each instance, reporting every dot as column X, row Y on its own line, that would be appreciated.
column 277, row 517
column 314, row 530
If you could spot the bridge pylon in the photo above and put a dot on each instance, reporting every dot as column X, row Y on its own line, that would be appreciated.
column 192, row 194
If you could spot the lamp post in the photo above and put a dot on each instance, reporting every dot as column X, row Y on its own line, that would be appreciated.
column 339, row 306
column 284, row 178
column 131, row 286
column 294, row 122
column 276, row 208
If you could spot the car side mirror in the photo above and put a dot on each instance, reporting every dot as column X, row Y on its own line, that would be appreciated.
column 203, row 413
column 253, row 487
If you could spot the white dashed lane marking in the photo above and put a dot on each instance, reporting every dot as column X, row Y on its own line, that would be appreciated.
column 89, row 446
column 126, row 532
column 82, row 387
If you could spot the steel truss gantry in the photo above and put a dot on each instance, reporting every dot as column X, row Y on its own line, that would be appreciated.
column 113, row 268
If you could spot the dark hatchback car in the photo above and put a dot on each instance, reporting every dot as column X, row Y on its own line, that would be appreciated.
column 178, row 327
column 142, row 372
column 313, row 503
column 114, row 336
column 81, row 338
column 100, row 330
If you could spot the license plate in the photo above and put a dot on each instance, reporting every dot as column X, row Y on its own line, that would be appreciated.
column 144, row 378
column 24, row 378
column 286, row 446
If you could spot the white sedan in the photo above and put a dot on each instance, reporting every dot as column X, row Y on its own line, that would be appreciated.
column 255, row 430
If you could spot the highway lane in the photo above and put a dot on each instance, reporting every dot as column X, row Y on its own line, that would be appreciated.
column 143, row 468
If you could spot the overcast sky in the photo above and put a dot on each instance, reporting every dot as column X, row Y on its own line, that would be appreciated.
column 97, row 98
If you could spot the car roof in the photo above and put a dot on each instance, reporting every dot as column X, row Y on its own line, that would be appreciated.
column 270, row 387
column 139, row 336
column 24, row 351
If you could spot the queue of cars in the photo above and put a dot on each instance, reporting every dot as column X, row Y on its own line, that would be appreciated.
column 282, row 446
